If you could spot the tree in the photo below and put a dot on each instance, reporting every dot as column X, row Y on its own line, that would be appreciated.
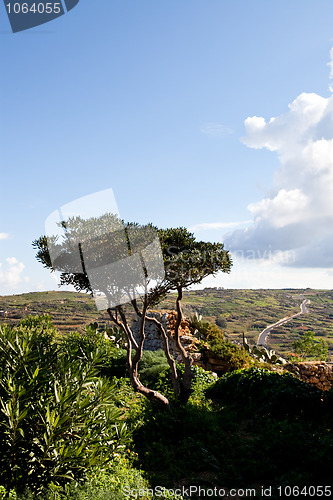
column 102, row 255
column 308, row 348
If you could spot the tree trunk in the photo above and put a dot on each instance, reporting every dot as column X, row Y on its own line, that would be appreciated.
column 132, row 363
column 186, row 357
column 171, row 361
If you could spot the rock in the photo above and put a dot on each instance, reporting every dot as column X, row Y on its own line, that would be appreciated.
column 317, row 373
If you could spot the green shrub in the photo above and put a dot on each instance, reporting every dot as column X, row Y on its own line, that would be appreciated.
column 78, row 346
column 264, row 392
column 221, row 321
column 10, row 495
column 41, row 322
column 308, row 348
column 233, row 355
column 152, row 365
column 101, row 483
column 204, row 330
column 155, row 373
column 215, row 345
column 57, row 417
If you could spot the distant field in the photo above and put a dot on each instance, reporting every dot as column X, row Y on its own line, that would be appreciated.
column 69, row 310
column 234, row 311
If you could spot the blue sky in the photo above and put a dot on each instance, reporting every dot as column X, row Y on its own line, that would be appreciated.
column 156, row 100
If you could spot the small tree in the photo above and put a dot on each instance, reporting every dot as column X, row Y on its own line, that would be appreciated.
column 308, row 348
column 88, row 244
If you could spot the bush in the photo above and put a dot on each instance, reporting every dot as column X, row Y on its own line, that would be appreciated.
column 106, row 483
column 260, row 391
column 214, row 345
column 307, row 348
column 112, row 359
column 233, row 355
column 153, row 365
column 57, row 417
column 155, row 373
column 101, row 483
column 41, row 323
column 221, row 321
column 205, row 330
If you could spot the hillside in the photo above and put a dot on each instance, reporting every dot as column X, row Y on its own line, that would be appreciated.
column 234, row 311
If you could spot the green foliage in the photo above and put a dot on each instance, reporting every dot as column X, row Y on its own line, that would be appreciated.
column 215, row 345
column 188, row 261
column 254, row 427
column 264, row 355
column 100, row 483
column 205, row 330
column 40, row 322
column 10, row 495
column 155, row 373
column 81, row 346
column 201, row 379
column 308, row 348
column 269, row 393
column 57, row 417
column 221, row 321
column 233, row 355
column 153, row 368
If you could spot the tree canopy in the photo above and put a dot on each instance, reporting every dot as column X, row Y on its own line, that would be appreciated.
column 307, row 347
column 136, row 264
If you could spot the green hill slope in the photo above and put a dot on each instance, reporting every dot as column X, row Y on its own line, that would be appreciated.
column 234, row 311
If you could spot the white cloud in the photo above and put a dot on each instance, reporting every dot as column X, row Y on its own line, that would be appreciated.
column 11, row 275
column 215, row 129
column 298, row 214
column 285, row 208
column 205, row 226
column 256, row 275
column 330, row 64
column 286, row 134
column 4, row 236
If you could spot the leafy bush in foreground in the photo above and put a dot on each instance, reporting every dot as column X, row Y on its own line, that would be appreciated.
column 111, row 482
column 261, row 391
column 57, row 417
column 112, row 359
column 233, row 355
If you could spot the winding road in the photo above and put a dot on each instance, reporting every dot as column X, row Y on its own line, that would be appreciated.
column 263, row 335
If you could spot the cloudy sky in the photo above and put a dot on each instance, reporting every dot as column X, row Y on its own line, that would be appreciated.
column 215, row 115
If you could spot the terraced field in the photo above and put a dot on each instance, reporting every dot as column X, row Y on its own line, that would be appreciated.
column 69, row 311
column 234, row 311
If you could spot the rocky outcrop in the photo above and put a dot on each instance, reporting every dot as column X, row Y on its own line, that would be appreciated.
column 210, row 362
column 317, row 373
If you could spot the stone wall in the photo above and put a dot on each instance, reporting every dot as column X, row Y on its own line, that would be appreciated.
column 153, row 340
column 317, row 373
